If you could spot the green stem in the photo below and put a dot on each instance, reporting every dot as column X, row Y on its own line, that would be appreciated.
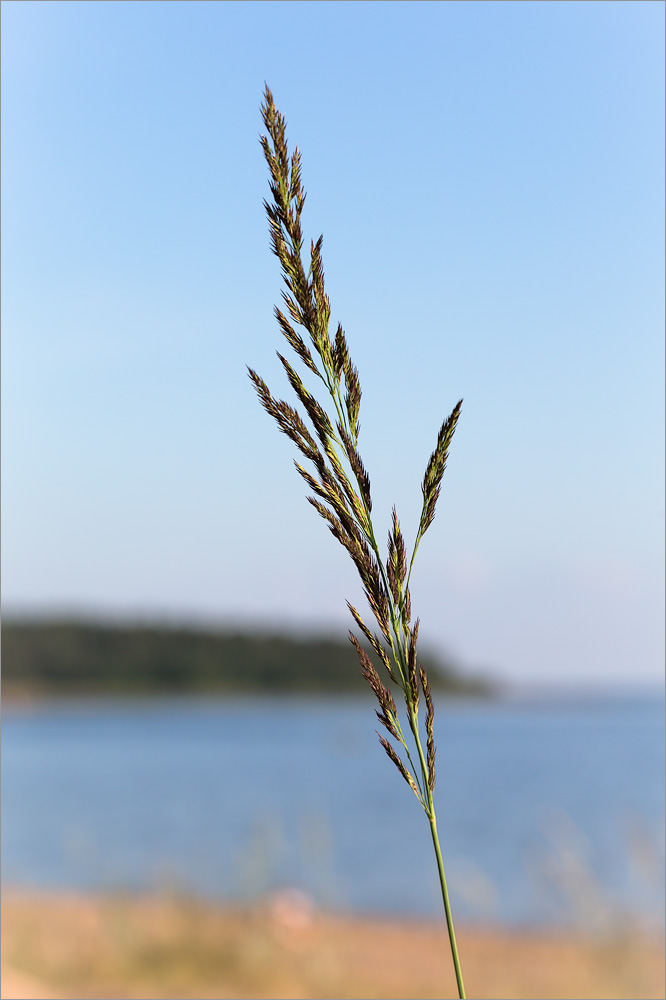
column 447, row 907
column 430, row 812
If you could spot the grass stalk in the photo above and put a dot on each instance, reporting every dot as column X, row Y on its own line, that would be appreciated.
column 447, row 907
column 340, row 484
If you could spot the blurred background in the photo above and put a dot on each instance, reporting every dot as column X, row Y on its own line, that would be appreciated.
column 184, row 726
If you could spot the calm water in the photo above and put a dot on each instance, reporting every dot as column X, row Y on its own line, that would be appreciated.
column 547, row 811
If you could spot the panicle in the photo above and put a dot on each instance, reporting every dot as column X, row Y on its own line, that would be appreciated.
column 338, row 480
column 435, row 469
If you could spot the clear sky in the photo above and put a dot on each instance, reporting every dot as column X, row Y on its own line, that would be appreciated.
column 489, row 181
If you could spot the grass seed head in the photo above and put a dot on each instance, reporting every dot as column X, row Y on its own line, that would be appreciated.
column 412, row 667
column 342, row 498
column 435, row 469
column 401, row 767
column 295, row 340
column 430, row 728
column 374, row 642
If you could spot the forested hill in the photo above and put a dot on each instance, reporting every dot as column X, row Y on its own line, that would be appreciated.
column 79, row 658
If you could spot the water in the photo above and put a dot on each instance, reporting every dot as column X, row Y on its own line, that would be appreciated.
column 547, row 812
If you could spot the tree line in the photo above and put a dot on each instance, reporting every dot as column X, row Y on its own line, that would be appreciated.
column 69, row 657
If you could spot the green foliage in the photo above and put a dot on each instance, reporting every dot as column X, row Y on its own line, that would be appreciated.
column 76, row 658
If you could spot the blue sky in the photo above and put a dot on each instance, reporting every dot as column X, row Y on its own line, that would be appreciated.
column 489, row 181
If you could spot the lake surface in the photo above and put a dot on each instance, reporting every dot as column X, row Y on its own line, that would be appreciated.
column 548, row 810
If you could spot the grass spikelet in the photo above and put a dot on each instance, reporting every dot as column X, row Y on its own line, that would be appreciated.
column 289, row 420
column 374, row 642
column 430, row 730
column 411, row 667
column 435, row 469
column 388, row 715
column 295, row 340
column 401, row 767
column 362, row 477
column 319, row 417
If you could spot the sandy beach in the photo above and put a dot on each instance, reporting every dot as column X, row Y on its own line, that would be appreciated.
column 69, row 946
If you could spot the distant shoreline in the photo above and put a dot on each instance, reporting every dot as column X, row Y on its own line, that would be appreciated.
column 75, row 658
column 16, row 698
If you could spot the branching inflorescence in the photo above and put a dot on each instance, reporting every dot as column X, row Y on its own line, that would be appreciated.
column 340, row 484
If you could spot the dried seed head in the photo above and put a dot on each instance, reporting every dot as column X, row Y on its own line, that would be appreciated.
column 295, row 340
column 412, row 666
column 407, row 607
column 306, row 299
column 333, row 522
column 340, row 354
column 353, row 397
column 392, row 582
column 367, row 669
column 376, row 598
column 295, row 189
column 357, row 466
column 399, row 546
column 374, row 642
column 345, row 510
column 342, row 478
column 401, row 767
column 288, row 419
column 396, row 564
column 430, row 728
column 388, row 723
column 315, row 411
column 435, row 469
column 388, row 713
column 320, row 299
